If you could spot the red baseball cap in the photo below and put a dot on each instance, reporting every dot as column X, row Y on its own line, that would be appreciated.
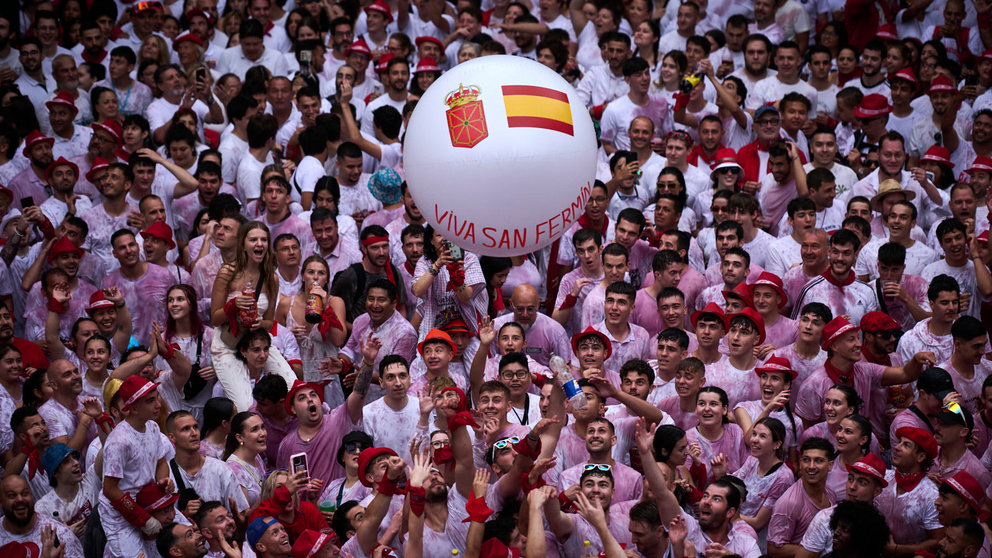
column 876, row 321
column 310, row 542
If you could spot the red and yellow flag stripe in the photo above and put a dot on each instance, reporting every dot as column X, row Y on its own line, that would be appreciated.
column 530, row 106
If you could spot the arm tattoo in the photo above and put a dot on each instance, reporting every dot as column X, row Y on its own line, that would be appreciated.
column 363, row 380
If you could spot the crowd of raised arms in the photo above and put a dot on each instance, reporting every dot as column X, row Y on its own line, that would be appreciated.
column 227, row 330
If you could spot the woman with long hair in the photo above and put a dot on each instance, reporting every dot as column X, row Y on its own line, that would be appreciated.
column 321, row 339
column 243, row 452
column 852, row 440
column 495, row 270
column 104, row 103
column 154, row 48
column 775, row 376
column 448, row 287
column 840, row 402
column 289, row 506
column 215, row 426
column 244, row 298
column 671, row 447
column 11, row 368
column 646, row 36
column 763, row 472
column 187, row 335
column 673, row 67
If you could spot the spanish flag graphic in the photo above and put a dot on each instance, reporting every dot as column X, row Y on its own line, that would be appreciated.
column 529, row 106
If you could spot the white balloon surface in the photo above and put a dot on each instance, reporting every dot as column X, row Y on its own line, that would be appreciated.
column 500, row 155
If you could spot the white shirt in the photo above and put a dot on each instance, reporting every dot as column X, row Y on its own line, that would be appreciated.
column 234, row 61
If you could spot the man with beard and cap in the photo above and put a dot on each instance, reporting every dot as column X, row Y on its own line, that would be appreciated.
column 61, row 177
column 960, row 498
column 544, row 335
column 319, row 434
column 32, row 181
column 26, row 529
column 964, row 538
column 71, row 139
column 63, row 255
column 75, row 491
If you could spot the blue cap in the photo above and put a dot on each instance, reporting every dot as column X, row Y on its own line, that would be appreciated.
column 258, row 527
column 54, row 456
column 765, row 109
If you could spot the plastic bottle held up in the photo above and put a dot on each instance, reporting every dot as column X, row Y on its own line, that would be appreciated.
column 315, row 307
column 573, row 392
column 587, row 551
column 247, row 317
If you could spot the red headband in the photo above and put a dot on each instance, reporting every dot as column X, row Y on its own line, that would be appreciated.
column 374, row 240
column 389, row 266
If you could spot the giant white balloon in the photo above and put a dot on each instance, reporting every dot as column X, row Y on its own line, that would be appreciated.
column 500, row 155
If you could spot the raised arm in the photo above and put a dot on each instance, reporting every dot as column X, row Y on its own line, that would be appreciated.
column 351, row 127
column 909, row 372
column 668, row 504
column 487, row 334
column 186, row 184
column 122, row 337
column 634, row 405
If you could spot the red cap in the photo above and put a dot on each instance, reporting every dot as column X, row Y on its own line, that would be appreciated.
column 905, row 74
column 297, row 386
column 360, row 47
column 98, row 300
column 834, row 329
column 725, row 158
column 152, row 498
column 981, row 164
column 428, row 39
column 8, row 192
column 383, row 63
column 63, row 99
column 111, row 127
column 382, row 7
column 139, row 7
column 33, row 139
column 887, row 32
column 922, row 438
column 310, row 542
column 99, row 164
column 187, row 37
column 494, row 548
column 594, row 332
column 161, row 231
column 872, row 105
column 983, row 236
column 134, row 388
column 941, row 83
column 15, row 549
column 776, row 364
column 427, row 64
column 871, row 465
column 768, row 279
column 437, row 335
column 876, row 321
column 987, row 55
column 711, row 308
column 198, row 12
column 756, row 319
column 741, row 291
column 938, row 154
column 63, row 246
column 60, row 162
column 457, row 325
column 968, row 488
column 365, row 458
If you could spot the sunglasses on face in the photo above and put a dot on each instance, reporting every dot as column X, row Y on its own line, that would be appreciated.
column 354, row 447
column 717, row 209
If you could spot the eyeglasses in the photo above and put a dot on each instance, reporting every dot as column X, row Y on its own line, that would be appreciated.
column 506, row 442
column 511, row 374
column 440, row 444
column 718, row 209
column 679, row 134
column 768, row 122
column 354, row 447
column 669, row 185
column 598, row 467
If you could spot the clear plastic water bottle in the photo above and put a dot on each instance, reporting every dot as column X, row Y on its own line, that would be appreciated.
column 573, row 392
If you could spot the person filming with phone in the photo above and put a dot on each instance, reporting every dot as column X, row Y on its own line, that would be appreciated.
column 448, row 281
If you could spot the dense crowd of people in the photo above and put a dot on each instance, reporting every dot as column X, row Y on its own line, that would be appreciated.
column 226, row 328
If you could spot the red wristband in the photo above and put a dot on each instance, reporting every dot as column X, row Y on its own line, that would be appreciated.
column 56, row 306
column 388, row 487
column 418, row 499
column 477, row 509
column 525, row 484
column 569, row 302
column 522, row 447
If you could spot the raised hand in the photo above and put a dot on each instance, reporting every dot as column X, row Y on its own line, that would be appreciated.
column 487, row 333
column 421, row 469
column 644, row 436
column 426, row 399
column 541, row 466
column 719, row 465
column 480, row 483
column 593, row 513
column 370, row 349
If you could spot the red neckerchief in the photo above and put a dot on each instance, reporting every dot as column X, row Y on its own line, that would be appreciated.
column 409, row 267
column 498, row 301
column 698, row 154
column 34, row 458
column 269, row 28
column 844, row 78
column 884, row 361
column 586, row 223
column 761, row 147
column 837, row 375
column 907, row 482
column 122, row 154
column 830, row 278
column 94, row 59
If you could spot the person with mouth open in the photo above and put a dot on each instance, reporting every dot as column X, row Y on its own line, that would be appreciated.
column 246, row 286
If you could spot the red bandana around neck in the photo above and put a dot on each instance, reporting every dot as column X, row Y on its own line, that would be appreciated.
column 884, row 361
column 837, row 375
column 908, row 481
column 586, row 223
column 830, row 277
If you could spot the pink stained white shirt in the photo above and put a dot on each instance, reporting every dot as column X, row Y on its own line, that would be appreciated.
column 593, row 308
column 854, row 299
column 443, row 544
column 101, row 227
column 398, row 337
column 822, row 430
column 763, row 491
column 645, row 313
column 683, row 419
column 920, row 338
column 916, row 287
column 214, row 481
column 568, row 281
column 714, row 277
column 248, row 475
column 628, row 484
column 32, row 539
column 324, row 443
column 866, row 377
column 782, row 333
column 969, row 388
column 637, row 344
column 738, row 543
column 793, row 282
column 793, row 426
column 202, row 279
column 36, row 309
column 803, row 367
column 912, row 514
column 145, row 297
column 740, row 385
column 392, row 428
column 544, row 338
column 967, row 462
column 571, row 449
column 730, row 443
column 692, row 284
column 792, row 515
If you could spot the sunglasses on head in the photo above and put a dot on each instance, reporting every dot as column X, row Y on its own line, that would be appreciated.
column 598, row 467
column 506, row 442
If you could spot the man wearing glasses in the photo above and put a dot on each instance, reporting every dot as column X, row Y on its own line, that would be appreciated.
column 753, row 157
column 544, row 335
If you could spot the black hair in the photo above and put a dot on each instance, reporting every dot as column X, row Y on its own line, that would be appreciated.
column 942, row 283
column 892, row 253
column 215, row 411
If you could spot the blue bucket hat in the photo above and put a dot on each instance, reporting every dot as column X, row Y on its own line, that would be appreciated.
column 385, row 186
column 54, row 456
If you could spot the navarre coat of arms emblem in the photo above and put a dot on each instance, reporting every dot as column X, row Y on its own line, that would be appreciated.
column 466, row 117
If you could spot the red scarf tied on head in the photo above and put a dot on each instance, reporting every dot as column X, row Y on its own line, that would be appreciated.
column 389, row 266
column 461, row 417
